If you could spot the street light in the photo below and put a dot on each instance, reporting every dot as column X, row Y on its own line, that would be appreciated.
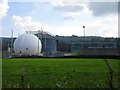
column 84, row 35
column 84, row 30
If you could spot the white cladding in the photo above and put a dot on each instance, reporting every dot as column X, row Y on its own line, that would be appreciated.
column 27, row 44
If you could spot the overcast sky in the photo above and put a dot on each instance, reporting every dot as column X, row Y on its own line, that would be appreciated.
column 60, row 18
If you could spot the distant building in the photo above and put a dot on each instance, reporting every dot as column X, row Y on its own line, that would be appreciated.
column 49, row 42
column 66, row 44
column 72, row 43
column 76, row 43
column 99, row 43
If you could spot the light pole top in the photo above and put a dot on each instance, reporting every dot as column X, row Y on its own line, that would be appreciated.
column 83, row 26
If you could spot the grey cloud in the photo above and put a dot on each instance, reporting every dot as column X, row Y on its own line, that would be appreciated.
column 69, row 8
column 68, row 18
column 103, row 8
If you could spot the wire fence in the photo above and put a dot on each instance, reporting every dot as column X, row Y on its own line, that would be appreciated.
column 73, row 79
column 67, row 78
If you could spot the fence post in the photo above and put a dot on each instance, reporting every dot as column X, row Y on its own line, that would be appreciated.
column 110, row 77
column 22, row 77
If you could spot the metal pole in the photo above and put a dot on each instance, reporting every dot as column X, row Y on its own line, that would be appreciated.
column 22, row 77
column 84, row 38
column 11, row 42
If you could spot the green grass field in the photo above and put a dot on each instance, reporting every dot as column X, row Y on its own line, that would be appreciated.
column 54, row 73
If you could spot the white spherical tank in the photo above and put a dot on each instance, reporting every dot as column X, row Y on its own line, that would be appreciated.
column 27, row 44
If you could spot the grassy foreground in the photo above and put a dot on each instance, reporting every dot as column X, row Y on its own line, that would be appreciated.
column 58, row 73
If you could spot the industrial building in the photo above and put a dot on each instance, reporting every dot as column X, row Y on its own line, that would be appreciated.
column 51, row 44
column 93, row 42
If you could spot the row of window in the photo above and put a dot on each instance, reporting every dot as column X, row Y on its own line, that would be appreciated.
column 78, row 46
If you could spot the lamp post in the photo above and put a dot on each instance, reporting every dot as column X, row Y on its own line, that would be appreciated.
column 84, row 35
